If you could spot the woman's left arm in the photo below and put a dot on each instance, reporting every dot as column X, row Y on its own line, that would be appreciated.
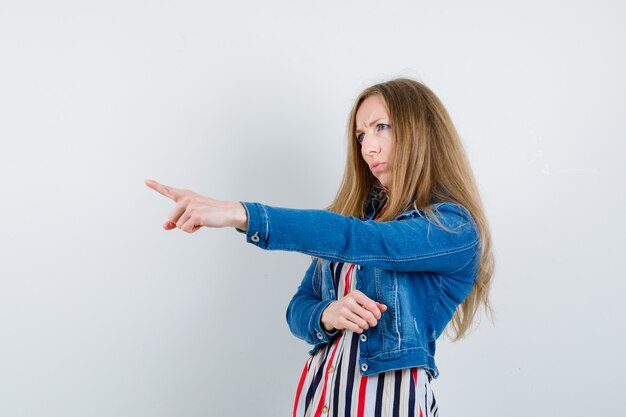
column 415, row 243
column 412, row 244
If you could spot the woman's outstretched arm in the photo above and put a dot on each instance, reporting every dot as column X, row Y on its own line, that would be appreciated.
column 414, row 243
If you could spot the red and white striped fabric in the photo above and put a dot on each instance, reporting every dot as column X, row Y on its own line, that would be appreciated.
column 331, row 385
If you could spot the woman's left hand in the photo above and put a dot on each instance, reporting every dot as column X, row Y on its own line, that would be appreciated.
column 193, row 210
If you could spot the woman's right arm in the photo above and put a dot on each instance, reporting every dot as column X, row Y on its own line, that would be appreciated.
column 305, row 310
column 355, row 311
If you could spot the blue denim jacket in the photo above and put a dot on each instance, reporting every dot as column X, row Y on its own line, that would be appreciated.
column 420, row 271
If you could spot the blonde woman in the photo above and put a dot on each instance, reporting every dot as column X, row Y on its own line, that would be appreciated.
column 402, row 254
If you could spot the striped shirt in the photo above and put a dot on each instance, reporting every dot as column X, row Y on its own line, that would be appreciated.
column 331, row 385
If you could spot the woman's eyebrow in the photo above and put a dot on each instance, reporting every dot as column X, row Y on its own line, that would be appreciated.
column 374, row 122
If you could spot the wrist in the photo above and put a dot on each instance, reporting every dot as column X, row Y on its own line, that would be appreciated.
column 329, row 328
column 240, row 215
column 325, row 324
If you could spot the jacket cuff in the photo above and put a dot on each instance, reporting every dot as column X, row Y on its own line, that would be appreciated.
column 317, row 333
column 258, row 227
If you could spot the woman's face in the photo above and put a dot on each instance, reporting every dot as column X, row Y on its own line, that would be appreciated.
column 375, row 136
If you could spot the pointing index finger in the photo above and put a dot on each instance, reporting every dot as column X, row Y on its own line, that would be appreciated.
column 168, row 192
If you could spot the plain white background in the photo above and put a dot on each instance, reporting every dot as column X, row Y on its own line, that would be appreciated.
column 103, row 313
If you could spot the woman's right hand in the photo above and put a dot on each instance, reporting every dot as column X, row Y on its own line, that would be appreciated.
column 355, row 311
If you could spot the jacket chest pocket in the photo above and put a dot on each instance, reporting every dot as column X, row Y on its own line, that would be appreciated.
column 387, row 293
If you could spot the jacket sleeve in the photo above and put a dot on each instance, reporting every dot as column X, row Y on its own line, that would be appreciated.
column 305, row 309
column 414, row 243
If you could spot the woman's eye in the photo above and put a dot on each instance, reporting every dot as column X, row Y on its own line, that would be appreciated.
column 379, row 126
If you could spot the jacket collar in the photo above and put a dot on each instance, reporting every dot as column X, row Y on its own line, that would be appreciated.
column 378, row 191
column 377, row 199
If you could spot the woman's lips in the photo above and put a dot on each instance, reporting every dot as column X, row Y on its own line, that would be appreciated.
column 377, row 166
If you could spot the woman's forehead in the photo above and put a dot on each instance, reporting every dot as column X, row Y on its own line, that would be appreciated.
column 371, row 110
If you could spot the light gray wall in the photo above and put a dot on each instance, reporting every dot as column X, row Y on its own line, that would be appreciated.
column 103, row 313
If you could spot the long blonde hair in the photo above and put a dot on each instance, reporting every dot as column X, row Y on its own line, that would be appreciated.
column 430, row 164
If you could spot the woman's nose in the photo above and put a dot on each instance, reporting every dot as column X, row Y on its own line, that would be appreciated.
column 371, row 145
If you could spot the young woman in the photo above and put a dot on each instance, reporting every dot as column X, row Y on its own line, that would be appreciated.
column 402, row 254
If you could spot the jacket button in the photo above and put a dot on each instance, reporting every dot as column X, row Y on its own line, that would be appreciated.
column 363, row 338
column 364, row 367
column 359, row 267
column 255, row 237
column 319, row 335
